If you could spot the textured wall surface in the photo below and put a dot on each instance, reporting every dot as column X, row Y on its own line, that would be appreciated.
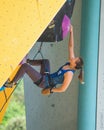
column 58, row 111
column 100, row 99
column 21, row 24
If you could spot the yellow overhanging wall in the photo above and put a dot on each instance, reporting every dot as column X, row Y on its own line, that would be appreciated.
column 21, row 24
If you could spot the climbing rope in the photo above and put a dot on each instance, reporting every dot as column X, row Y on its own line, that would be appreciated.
column 39, row 52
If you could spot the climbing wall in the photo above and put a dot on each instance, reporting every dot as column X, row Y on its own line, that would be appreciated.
column 21, row 24
column 6, row 94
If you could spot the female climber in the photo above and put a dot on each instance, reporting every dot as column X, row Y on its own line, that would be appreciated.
column 46, row 80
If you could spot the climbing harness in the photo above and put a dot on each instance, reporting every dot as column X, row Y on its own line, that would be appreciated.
column 51, row 85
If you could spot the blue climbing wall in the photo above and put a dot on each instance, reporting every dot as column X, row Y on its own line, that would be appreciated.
column 89, row 51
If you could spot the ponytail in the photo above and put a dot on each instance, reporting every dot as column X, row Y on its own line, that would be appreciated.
column 81, row 76
column 79, row 66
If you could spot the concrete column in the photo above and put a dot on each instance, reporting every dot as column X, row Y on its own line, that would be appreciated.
column 89, row 51
column 100, row 93
column 59, row 111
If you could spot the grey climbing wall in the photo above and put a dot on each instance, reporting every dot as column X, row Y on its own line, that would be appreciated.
column 58, row 111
